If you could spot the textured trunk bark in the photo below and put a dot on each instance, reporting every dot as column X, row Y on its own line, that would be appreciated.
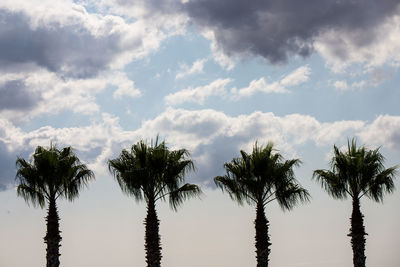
column 52, row 238
column 152, row 237
column 262, row 238
column 357, row 234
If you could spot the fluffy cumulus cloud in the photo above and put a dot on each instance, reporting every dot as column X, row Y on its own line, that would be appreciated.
column 372, row 48
column 211, row 136
column 276, row 29
column 66, row 39
column 384, row 130
column 56, row 56
column 29, row 94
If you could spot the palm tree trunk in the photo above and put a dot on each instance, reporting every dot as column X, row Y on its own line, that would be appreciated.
column 52, row 238
column 152, row 237
column 357, row 234
column 262, row 238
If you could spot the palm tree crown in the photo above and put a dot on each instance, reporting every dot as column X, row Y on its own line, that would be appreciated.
column 259, row 178
column 356, row 173
column 51, row 174
column 153, row 172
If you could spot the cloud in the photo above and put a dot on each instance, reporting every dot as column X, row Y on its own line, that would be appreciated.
column 214, row 137
column 277, row 30
column 383, row 131
column 7, row 166
column 70, row 41
column 344, row 86
column 259, row 85
column 225, row 61
column 199, row 94
column 218, row 88
column 341, row 85
column 372, row 46
column 343, row 32
column 125, row 86
column 211, row 136
column 197, row 67
column 297, row 77
column 379, row 75
column 16, row 96
column 30, row 94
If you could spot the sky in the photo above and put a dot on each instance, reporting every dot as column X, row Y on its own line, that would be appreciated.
column 213, row 77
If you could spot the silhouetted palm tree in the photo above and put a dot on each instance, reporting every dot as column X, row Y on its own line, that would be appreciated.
column 153, row 172
column 356, row 173
column 258, row 179
column 51, row 174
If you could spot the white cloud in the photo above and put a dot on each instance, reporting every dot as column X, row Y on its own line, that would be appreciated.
column 218, row 88
column 197, row 67
column 220, row 57
column 54, row 94
column 342, row 49
column 378, row 76
column 66, row 39
column 211, row 136
column 66, row 55
column 260, row 85
column 341, row 85
column 383, row 131
column 344, row 86
column 199, row 94
column 298, row 76
column 125, row 86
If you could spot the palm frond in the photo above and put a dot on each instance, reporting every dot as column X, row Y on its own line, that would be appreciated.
column 331, row 183
column 225, row 183
column 31, row 195
column 180, row 195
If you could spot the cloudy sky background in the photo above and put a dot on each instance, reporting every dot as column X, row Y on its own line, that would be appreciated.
column 212, row 77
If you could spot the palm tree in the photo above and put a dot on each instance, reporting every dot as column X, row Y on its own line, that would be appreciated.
column 153, row 172
column 51, row 174
column 258, row 179
column 356, row 173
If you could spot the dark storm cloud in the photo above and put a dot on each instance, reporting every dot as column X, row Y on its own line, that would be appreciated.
column 14, row 95
column 71, row 50
column 276, row 29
